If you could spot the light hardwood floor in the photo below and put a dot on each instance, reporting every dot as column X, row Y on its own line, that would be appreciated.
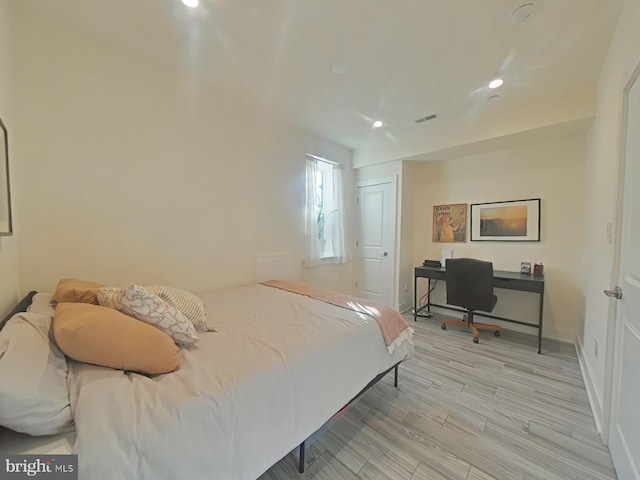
column 495, row 410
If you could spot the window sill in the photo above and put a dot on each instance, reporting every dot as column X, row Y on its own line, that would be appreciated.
column 327, row 260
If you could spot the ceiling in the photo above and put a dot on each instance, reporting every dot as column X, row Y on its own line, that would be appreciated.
column 404, row 59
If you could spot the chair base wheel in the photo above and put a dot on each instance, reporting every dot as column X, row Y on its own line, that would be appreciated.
column 475, row 339
column 443, row 326
column 497, row 333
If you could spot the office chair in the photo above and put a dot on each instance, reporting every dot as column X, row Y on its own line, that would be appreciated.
column 470, row 285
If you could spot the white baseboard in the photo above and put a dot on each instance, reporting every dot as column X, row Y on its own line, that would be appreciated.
column 596, row 406
column 404, row 307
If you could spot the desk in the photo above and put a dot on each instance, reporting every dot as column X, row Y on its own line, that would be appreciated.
column 501, row 279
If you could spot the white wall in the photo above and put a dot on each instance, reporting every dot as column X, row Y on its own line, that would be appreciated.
column 600, row 199
column 552, row 171
column 8, row 245
column 401, row 281
column 130, row 173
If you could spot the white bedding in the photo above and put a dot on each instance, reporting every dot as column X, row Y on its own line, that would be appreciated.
column 278, row 367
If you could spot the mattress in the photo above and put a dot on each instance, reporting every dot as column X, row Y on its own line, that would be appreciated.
column 278, row 366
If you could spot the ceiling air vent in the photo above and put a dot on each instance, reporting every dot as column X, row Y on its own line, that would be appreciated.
column 428, row 117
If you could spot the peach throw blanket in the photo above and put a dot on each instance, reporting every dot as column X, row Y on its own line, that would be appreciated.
column 394, row 328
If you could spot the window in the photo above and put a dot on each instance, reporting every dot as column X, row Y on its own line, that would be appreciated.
column 324, row 208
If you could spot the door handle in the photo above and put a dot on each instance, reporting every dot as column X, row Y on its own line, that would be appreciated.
column 385, row 254
column 615, row 293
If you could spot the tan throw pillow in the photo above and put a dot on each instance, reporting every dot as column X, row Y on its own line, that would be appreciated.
column 73, row 290
column 147, row 307
column 187, row 303
column 103, row 336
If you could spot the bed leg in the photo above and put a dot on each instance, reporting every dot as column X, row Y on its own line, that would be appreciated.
column 301, row 464
column 395, row 376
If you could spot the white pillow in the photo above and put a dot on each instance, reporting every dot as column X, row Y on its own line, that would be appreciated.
column 34, row 397
column 186, row 302
column 147, row 307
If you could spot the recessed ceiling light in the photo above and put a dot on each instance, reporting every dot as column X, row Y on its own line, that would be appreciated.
column 496, row 83
column 377, row 124
column 191, row 3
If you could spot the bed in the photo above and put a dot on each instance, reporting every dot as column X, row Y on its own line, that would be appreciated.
column 279, row 365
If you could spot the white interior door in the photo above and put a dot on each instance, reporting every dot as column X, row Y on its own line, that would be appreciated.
column 376, row 240
column 624, row 435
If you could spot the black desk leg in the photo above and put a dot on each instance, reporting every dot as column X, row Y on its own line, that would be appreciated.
column 415, row 298
column 540, row 321
column 301, row 459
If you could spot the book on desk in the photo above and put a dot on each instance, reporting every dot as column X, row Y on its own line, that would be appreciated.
column 432, row 263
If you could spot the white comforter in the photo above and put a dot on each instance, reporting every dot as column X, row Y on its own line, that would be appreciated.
column 278, row 367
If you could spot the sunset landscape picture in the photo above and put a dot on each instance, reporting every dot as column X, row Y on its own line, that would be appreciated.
column 503, row 221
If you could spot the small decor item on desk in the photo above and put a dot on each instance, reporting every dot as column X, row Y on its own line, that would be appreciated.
column 525, row 268
column 538, row 269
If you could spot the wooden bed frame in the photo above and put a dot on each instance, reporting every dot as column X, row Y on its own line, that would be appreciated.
column 26, row 301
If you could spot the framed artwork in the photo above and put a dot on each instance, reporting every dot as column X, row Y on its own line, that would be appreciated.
column 450, row 223
column 512, row 221
column 6, row 227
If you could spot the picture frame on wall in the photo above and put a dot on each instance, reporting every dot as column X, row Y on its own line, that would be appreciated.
column 6, row 225
column 450, row 223
column 510, row 221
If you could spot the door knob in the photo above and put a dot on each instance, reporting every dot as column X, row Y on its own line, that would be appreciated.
column 385, row 254
column 615, row 293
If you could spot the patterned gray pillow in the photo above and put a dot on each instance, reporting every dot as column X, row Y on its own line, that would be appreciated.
column 148, row 307
column 186, row 302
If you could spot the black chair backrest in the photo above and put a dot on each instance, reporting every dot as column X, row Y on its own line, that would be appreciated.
column 470, row 283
